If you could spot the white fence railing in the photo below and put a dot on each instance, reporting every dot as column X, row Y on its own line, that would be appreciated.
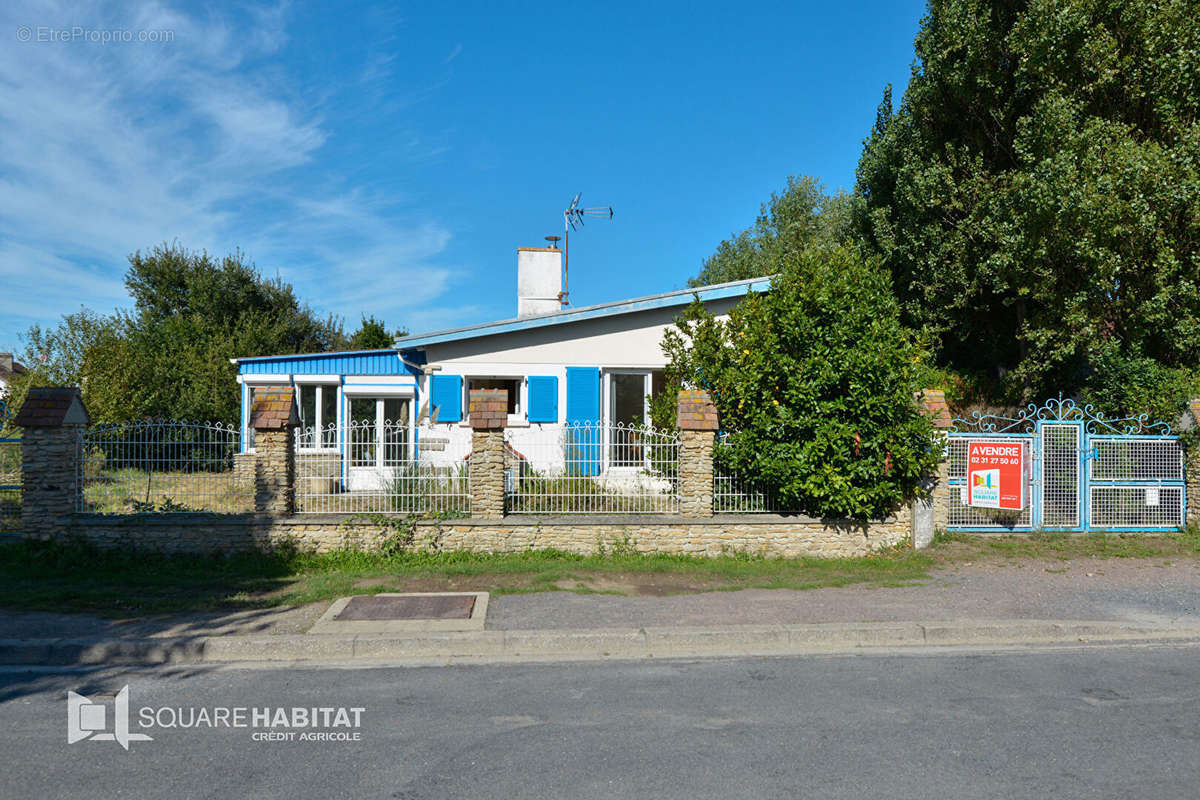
column 159, row 466
column 733, row 494
column 369, row 467
column 589, row 468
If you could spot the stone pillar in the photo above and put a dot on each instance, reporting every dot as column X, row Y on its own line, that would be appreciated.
column 243, row 474
column 931, row 507
column 698, row 423
column 1192, row 465
column 54, row 419
column 488, row 409
column 274, row 417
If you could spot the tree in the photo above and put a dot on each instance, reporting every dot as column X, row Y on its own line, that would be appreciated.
column 814, row 382
column 169, row 356
column 372, row 334
column 1036, row 197
column 800, row 218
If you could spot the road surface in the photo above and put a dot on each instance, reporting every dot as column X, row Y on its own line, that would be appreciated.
column 1081, row 723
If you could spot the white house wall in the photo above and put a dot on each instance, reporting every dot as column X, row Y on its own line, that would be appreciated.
column 629, row 340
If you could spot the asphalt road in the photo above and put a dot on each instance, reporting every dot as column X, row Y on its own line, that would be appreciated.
column 1086, row 723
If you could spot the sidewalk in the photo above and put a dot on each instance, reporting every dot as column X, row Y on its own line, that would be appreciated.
column 1029, row 601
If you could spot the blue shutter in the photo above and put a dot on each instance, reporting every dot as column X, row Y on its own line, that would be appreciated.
column 583, row 408
column 543, row 398
column 445, row 394
column 583, row 394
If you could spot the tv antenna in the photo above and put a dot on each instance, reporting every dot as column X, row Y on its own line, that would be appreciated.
column 573, row 219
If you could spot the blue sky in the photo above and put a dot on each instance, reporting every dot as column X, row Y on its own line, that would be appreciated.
column 389, row 160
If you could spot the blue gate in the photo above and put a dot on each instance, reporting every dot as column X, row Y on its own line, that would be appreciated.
column 1086, row 472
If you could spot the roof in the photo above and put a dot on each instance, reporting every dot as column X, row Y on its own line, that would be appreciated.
column 680, row 297
column 331, row 354
column 933, row 401
column 10, row 367
column 274, row 408
column 51, row 407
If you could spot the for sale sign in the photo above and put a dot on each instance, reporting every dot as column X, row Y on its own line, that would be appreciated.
column 996, row 475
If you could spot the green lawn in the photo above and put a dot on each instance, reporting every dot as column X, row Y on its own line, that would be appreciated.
column 73, row 577
column 59, row 577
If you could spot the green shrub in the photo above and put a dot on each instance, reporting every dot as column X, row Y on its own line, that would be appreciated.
column 814, row 383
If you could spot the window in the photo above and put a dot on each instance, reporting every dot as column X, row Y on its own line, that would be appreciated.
column 513, row 385
column 379, row 431
column 628, row 404
column 318, row 414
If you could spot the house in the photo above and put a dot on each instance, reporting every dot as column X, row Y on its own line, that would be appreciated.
column 588, row 367
column 8, row 370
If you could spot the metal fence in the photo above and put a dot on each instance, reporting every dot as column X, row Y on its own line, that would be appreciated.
column 160, row 466
column 370, row 467
column 733, row 494
column 10, row 484
column 592, row 468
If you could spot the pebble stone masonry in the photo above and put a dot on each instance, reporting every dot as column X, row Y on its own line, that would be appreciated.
column 54, row 419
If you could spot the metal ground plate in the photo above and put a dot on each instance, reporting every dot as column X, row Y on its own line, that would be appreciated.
column 393, row 613
column 393, row 606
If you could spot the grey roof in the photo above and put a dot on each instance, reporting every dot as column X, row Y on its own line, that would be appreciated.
column 679, row 297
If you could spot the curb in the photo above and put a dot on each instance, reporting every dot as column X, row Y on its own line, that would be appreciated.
column 743, row 640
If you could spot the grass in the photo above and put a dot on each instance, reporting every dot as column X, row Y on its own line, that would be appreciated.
column 124, row 491
column 1057, row 545
column 75, row 577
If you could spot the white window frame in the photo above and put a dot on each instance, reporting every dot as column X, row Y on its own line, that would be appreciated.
column 607, row 399
column 378, row 394
column 309, row 382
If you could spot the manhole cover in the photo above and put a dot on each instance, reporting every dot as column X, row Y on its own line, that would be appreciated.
column 383, row 607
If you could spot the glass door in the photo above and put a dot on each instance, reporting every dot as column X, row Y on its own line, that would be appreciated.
column 628, row 393
column 379, row 440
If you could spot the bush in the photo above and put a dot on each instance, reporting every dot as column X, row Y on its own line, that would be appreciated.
column 1121, row 383
column 814, row 382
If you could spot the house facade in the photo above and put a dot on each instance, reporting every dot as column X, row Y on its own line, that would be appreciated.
column 589, row 366
column 9, row 369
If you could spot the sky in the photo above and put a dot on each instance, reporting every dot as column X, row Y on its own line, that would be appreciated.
column 389, row 160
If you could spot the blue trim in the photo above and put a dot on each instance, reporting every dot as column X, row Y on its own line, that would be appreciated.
column 366, row 362
column 667, row 300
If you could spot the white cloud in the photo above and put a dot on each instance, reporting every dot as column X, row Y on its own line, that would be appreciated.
column 106, row 149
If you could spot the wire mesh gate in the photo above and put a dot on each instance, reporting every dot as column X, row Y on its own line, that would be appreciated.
column 1085, row 472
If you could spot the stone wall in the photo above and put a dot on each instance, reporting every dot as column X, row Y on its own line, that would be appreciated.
column 51, row 456
column 759, row 534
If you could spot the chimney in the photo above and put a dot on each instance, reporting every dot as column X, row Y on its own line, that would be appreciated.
column 6, row 362
column 539, row 280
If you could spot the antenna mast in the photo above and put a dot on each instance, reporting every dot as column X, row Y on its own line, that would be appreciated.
column 572, row 221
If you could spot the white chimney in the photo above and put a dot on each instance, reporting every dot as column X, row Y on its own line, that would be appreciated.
column 539, row 280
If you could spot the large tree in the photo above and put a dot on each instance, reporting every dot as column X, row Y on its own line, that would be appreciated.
column 800, row 218
column 1036, row 196
column 169, row 355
